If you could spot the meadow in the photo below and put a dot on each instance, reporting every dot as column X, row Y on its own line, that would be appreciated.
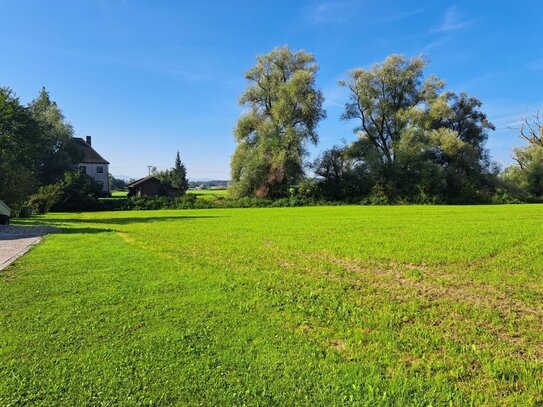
column 347, row 305
column 208, row 194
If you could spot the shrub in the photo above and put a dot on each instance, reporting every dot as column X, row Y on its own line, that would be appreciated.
column 45, row 198
column 378, row 195
column 73, row 193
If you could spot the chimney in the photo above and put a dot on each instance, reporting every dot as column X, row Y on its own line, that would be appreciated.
column 89, row 141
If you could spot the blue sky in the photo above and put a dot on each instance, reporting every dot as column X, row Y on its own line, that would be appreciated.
column 147, row 78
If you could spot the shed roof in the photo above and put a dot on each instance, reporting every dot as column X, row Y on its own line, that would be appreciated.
column 143, row 181
column 4, row 209
column 90, row 155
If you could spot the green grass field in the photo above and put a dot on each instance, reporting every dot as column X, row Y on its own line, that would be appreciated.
column 409, row 305
column 119, row 194
column 208, row 194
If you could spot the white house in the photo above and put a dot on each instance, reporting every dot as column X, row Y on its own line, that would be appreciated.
column 93, row 164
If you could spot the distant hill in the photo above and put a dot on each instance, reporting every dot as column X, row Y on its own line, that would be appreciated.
column 125, row 178
column 208, row 183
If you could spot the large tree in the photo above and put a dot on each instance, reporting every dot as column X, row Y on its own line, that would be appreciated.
column 416, row 141
column 36, row 146
column 19, row 149
column 58, row 152
column 527, row 172
column 284, row 108
column 381, row 99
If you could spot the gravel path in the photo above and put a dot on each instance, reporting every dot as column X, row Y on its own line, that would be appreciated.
column 17, row 240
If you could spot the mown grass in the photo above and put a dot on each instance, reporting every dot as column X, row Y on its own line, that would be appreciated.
column 208, row 194
column 315, row 306
column 119, row 194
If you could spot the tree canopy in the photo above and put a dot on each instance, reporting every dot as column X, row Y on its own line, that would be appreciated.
column 527, row 173
column 416, row 142
column 284, row 108
column 173, row 180
column 36, row 146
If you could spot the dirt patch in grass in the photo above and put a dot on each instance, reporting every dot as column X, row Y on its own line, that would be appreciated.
column 435, row 285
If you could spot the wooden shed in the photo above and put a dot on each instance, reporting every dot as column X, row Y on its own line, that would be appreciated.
column 147, row 186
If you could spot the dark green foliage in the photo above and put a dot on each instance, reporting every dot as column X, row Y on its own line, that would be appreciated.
column 75, row 192
column 174, row 180
column 19, row 151
column 284, row 109
column 190, row 201
column 78, row 192
column 341, row 177
column 46, row 197
column 178, row 175
column 36, row 146
column 58, row 152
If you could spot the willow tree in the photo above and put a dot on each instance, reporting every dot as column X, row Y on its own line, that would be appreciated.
column 284, row 108
column 527, row 173
column 417, row 141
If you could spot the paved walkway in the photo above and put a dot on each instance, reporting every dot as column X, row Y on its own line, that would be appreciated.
column 17, row 240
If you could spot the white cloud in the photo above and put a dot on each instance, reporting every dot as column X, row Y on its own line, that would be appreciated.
column 452, row 21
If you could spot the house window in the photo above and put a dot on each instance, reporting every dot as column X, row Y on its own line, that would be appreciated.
column 83, row 169
column 99, row 169
column 101, row 183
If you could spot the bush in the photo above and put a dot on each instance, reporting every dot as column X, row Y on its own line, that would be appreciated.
column 45, row 198
column 378, row 196
column 73, row 193
column 192, row 202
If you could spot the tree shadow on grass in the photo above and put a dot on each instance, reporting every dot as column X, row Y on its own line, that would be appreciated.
column 23, row 232
column 59, row 222
column 82, row 230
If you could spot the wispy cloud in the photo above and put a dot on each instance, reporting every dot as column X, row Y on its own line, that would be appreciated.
column 453, row 20
column 335, row 96
column 340, row 11
column 331, row 12
column 187, row 72
column 475, row 83
column 402, row 15
column 436, row 43
column 509, row 116
column 535, row 65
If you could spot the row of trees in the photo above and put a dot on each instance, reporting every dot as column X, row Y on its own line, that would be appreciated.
column 417, row 142
column 36, row 146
